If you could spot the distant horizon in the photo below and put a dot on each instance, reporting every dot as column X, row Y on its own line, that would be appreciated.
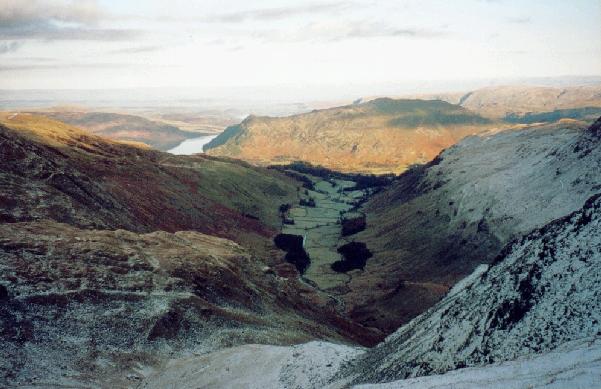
column 262, row 97
column 561, row 80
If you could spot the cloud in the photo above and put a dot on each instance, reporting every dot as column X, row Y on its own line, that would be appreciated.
column 9, row 47
column 34, row 59
column 520, row 20
column 333, row 32
column 29, row 67
column 494, row 35
column 10, row 68
column 277, row 13
column 361, row 30
column 48, row 32
column 138, row 49
column 18, row 12
column 56, row 20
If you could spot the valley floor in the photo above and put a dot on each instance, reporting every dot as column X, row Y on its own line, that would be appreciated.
column 320, row 226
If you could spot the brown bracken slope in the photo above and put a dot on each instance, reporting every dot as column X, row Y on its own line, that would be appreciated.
column 62, row 173
column 379, row 136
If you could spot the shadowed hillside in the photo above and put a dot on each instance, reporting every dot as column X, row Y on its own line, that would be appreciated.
column 62, row 173
column 437, row 222
column 125, row 127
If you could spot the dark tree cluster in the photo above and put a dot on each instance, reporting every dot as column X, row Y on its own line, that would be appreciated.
column 310, row 202
column 353, row 225
column 355, row 256
column 363, row 181
column 295, row 252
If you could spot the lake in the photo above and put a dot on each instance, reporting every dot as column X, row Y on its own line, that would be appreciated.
column 192, row 146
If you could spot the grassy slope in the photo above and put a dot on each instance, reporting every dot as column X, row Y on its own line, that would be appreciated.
column 380, row 136
column 65, row 174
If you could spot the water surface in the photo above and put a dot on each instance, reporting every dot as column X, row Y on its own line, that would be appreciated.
column 192, row 146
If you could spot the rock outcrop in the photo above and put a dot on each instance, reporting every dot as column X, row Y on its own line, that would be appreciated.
column 543, row 290
column 81, row 307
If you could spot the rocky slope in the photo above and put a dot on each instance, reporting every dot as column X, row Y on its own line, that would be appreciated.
column 98, row 308
column 542, row 291
column 125, row 127
column 438, row 222
column 99, row 280
column 573, row 365
column 308, row 365
column 530, row 319
column 379, row 136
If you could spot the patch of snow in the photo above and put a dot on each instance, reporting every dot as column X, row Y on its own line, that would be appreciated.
column 309, row 365
column 576, row 365
column 543, row 291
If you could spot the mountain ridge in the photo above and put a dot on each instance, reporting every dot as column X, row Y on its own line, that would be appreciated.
column 379, row 136
column 126, row 127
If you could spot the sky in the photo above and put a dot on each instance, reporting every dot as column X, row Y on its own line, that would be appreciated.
column 320, row 44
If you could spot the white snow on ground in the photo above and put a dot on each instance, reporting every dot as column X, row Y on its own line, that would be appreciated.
column 309, row 365
column 576, row 365
column 543, row 292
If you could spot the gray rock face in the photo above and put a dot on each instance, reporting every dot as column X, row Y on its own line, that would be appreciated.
column 575, row 365
column 90, row 308
column 490, row 189
column 541, row 291
column 595, row 129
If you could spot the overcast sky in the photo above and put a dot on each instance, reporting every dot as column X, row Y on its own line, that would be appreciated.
column 226, row 43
